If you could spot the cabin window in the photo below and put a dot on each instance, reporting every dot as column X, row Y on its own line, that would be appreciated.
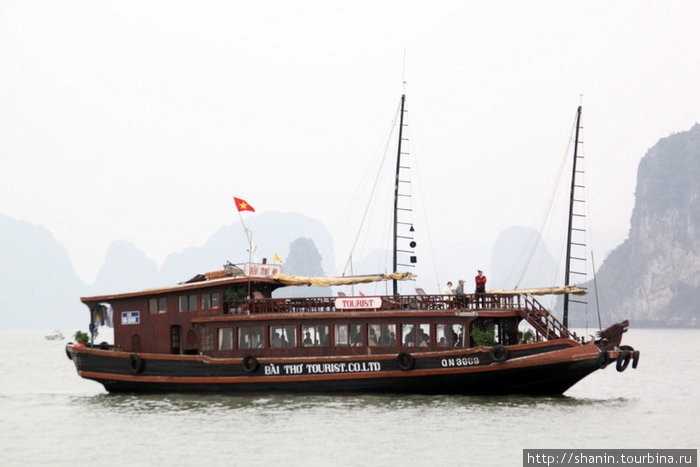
column 348, row 334
column 382, row 334
column 315, row 336
column 283, row 336
column 415, row 335
column 225, row 338
column 250, row 337
column 188, row 302
column 210, row 300
column 156, row 305
column 449, row 335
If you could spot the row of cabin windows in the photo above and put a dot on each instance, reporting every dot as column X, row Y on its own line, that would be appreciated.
column 318, row 335
column 157, row 305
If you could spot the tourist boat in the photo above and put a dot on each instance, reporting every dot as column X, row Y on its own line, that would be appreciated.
column 223, row 332
column 55, row 335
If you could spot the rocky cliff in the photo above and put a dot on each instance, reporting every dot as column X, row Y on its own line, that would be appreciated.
column 653, row 278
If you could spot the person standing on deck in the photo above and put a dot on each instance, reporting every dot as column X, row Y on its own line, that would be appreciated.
column 460, row 298
column 480, row 281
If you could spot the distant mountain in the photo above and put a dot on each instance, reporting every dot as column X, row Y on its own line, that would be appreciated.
column 520, row 259
column 303, row 260
column 125, row 269
column 38, row 285
column 272, row 232
column 653, row 278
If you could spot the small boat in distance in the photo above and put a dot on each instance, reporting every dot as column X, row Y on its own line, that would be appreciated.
column 222, row 332
column 55, row 335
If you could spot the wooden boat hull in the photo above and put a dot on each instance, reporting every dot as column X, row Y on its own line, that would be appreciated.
column 548, row 368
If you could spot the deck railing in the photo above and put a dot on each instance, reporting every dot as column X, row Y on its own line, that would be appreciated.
column 545, row 324
column 469, row 302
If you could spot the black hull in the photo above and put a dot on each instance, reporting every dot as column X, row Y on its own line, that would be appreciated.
column 547, row 370
column 551, row 381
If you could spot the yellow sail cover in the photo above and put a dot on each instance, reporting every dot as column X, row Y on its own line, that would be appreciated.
column 286, row 279
column 570, row 289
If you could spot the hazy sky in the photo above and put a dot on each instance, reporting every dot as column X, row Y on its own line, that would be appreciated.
column 140, row 120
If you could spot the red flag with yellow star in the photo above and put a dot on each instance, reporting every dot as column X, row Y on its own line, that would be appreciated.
column 243, row 205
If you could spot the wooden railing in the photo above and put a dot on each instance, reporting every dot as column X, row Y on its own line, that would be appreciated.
column 546, row 325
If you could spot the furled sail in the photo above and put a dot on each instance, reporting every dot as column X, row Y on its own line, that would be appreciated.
column 287, row 279
column 569, row 289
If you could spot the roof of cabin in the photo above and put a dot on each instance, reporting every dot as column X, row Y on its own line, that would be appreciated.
column 184, row 286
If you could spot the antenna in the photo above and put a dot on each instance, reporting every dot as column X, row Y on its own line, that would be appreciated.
column 403, row 72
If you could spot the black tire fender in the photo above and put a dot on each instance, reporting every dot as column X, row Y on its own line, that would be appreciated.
column 623, row 360
column 68, row 354
column 406, row 361
column 603, row 359
column 635, row 358
column 499, row 353
column 249, row 364
column 136, row 364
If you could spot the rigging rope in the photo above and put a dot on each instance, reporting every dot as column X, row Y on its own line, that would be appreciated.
column 372, row 194
column 548, row 210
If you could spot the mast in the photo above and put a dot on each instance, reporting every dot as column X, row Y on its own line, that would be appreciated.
column 396, row 197
column 567, row 274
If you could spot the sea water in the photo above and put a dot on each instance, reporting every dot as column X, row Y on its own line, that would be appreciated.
column 50, row 416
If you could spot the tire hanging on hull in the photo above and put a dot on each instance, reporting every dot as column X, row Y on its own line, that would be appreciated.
column 406, row 361
column 136, row 364
column 623, row 360
column 249, row 364
column 499, row 353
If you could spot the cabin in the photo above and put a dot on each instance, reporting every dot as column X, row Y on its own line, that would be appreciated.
column 212, row 315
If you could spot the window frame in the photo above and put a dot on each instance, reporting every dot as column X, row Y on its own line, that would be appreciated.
column 246, row 335
column 384, row 338
column 285, row 328
column 221, row 336
column 157, row 305
column 190, row 302
column 415, row 341
column 317, row 338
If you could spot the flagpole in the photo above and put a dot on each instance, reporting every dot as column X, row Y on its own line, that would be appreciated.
column 242, row 205
column 249, row 236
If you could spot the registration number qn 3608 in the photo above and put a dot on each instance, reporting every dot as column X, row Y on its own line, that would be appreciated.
column 463, row 361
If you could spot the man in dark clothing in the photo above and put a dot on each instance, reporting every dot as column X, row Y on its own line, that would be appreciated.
column 460, row 298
